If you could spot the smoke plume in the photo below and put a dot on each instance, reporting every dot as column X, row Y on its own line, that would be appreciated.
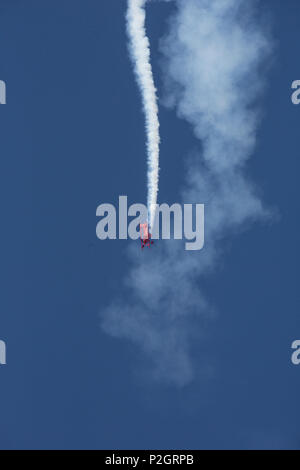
column 213, row 62
column 140, row 53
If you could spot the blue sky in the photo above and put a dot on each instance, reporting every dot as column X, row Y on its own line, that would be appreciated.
column 72, row 137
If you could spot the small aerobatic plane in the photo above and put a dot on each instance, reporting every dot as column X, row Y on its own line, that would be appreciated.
column 145, row 236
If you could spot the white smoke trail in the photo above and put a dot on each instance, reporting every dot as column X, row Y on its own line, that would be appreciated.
column 140, row 53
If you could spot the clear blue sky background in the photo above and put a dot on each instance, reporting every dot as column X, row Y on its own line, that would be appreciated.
column 72, row 137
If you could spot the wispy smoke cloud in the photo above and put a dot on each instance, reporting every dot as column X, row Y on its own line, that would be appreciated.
column 140, row 52
column 214, row 54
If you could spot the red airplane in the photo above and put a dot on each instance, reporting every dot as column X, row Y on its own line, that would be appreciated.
column 145, row 236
